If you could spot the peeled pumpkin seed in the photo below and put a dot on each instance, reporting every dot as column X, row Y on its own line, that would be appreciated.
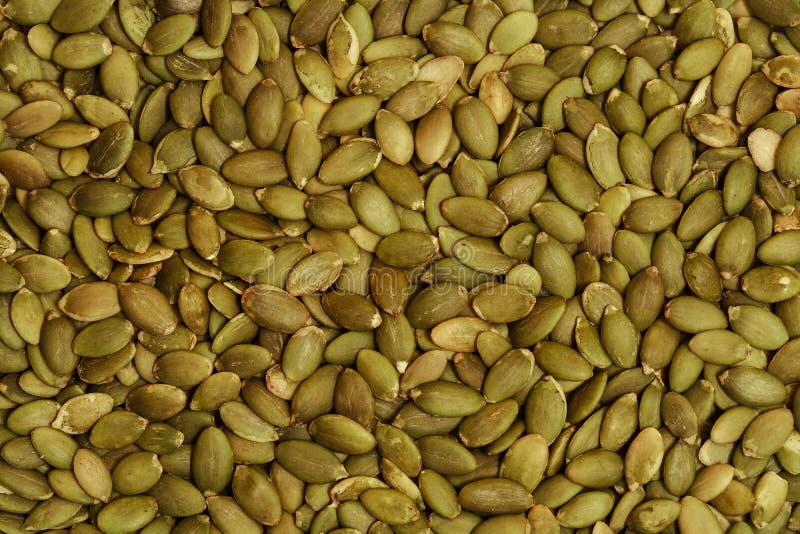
column 335, row 266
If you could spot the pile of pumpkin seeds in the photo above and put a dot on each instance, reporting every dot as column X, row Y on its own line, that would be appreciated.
column 405, row 266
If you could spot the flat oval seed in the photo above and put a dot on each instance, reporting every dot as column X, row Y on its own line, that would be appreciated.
column 64, row 20
column 80, row 413
column 508, row 375
column 82, row 51
column 92, row 474
column 227, row 513
column 54, row 446
column 206, row 187
column 437, row 398
column 42, row 274
column 406, row 249
column 111, row 150
column 341, row 434
column 699, row 59
column 720, row 347
column 693, row 315
column 177, row 497
column 389, row 506
column 182, row 369
column 767, row 433
column 117, row 430
column 475, row 216
column 752, row 387
column 257, row 495
column 156, row 402
column 241, row 44
column 31, row 119
column 309, row 461
column 23, row 170
column 103, row 337
column 127, row 514
column 597, row 468
column 245, row 423
column 770, row 284
column 169, row 34
column 493, row 496
column 350, row 162
column 148, row 308
column 52, row 512
column 447, row 38
column 212, row 461
column 489, row 424
column 261, row 302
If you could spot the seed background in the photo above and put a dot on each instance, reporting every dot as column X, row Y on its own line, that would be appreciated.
column 399, row 266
